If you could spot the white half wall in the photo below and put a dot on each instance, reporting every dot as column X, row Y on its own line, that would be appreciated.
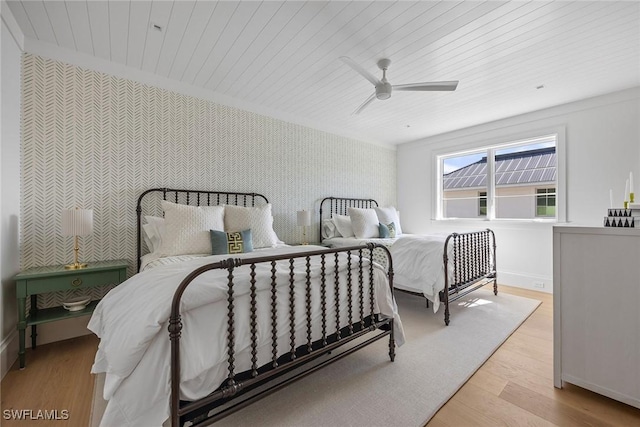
column 602, row 147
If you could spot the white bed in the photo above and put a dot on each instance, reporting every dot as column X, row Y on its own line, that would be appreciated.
column 132, row 319
column 418, row 260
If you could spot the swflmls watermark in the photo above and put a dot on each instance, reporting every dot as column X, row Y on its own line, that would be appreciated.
column 35, row 414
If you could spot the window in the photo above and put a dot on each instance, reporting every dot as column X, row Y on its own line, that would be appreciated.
column 464, row 181
column 482, row 203
column 546, row 202
column 515, row 180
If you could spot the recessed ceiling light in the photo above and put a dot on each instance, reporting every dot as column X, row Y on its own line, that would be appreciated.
column 156, row 27
column 540, row 87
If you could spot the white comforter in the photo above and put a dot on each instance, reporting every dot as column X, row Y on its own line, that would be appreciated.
column 131, row 322
column 417, row 261
column 418, row 264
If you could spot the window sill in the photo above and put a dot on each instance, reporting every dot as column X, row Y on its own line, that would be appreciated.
column 500, row 221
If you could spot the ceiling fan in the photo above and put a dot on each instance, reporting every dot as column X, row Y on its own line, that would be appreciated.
column 384, row 88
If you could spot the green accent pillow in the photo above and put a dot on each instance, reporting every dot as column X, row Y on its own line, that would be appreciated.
column 235, row 242
column 387, row 231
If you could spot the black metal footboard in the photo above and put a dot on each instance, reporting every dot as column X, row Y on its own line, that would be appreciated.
column 469, row 263
column 324, row 300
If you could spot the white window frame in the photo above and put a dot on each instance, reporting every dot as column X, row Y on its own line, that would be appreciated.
column 489, row 143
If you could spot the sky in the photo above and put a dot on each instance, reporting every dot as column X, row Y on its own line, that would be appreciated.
column 454, row 163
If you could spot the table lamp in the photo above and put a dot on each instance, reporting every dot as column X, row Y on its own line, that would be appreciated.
column 76, row 222
column 304, row 221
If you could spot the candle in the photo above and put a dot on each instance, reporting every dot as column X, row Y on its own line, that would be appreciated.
column 626, row 194
column 631, row 193
column 610, row 198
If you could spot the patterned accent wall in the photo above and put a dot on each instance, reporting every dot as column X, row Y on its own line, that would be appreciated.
column 96, row 141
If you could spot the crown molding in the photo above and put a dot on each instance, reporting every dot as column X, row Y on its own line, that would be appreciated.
column 12, row 25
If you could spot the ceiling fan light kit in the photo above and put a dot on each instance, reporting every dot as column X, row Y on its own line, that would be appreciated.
column 383, row 88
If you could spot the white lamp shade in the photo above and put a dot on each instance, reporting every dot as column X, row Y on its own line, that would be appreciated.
column 77, row 222
column 304, row 218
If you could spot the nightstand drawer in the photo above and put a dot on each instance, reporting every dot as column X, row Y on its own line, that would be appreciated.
column 75, row 280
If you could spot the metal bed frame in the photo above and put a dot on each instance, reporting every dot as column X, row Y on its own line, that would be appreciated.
column 472, row 266
column 243, row 388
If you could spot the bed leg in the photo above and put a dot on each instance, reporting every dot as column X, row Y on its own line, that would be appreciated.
column 392, row 344
column 426, row 302
column 495, row 287
column 446, row 313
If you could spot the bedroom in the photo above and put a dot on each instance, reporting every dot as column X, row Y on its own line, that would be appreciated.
column 104, row 131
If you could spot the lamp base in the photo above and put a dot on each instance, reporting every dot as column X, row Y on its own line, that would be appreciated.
column 75, row 266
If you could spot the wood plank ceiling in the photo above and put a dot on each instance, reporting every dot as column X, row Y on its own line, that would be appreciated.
column 283, row 56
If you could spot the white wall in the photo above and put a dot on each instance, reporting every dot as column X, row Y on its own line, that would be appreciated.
column 9, row 193
column 602, row 147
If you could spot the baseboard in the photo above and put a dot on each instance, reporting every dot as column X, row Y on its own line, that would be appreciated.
column 8, row 353
column 525, row 281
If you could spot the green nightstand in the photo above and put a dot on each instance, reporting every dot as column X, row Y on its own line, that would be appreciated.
column 41, row 280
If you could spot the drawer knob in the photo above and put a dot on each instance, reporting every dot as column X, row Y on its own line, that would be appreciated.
column 76, row 282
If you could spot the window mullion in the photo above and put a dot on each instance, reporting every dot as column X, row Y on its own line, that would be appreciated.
column 491, row 184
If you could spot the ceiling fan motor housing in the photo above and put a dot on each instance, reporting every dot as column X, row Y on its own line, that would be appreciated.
column 383, row 90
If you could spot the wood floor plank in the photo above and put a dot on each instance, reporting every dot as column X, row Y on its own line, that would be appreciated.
column 489, row 382
column 523, row 362
column 528, row 347
column 500, row 411
column 456, row 414
column 550, row 409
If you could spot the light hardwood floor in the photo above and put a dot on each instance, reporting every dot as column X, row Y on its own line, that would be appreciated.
column 513, row 388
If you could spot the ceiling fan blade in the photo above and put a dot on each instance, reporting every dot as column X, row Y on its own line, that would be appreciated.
column 367, row 75
column 428, row 86
column 365, row 103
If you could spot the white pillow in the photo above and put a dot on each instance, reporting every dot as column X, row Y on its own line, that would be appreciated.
column 343, row 225
column 364, row 223
column 187, row 228
column 329, row 230
column 152, row 232
column 257, row 219
column 389, row 215
column 146, row 231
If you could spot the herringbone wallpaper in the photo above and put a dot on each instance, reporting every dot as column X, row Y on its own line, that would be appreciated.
column 96, row 141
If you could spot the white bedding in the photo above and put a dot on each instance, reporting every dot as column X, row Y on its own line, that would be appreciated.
column 341, row 242
column 417, row 261
column 131, row 322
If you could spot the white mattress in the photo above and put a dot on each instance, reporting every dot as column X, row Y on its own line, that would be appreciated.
column 132, row 319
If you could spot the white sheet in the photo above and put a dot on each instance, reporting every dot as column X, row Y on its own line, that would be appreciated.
column 131, row 322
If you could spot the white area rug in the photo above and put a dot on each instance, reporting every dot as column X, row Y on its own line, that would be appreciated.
column 366, row 389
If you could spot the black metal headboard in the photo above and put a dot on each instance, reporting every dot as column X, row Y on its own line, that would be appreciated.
column 190, row 197
column 339, row 205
